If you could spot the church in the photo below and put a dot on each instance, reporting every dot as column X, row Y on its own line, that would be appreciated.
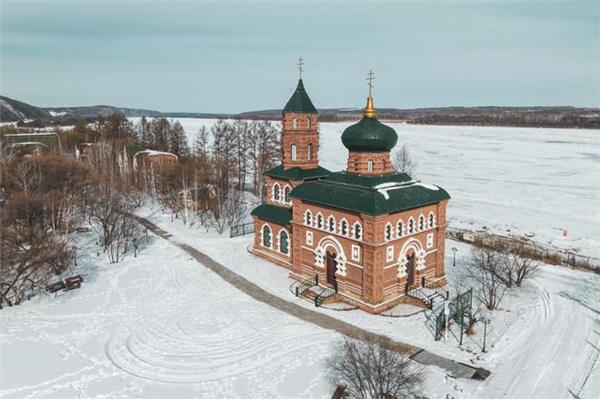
column 367, row 236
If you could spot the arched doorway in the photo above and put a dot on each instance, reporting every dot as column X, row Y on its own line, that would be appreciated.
column 410, row 268
column 331, row 267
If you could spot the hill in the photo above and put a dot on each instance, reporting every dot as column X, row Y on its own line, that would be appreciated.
column 537, row 116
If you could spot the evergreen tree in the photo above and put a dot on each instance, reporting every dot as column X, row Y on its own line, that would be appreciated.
column 178, row 141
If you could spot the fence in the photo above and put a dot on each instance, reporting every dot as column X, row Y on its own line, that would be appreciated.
column 456, row 310
column 528, row 248
column 240, row 230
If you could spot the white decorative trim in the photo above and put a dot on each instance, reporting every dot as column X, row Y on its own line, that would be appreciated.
column 340, row 227
column 353, row 233
column 400, row 232
column 355, row 252
column 308, row 213
column 279, row 242
column 323, row 222
column 262, row 239
column 309, row 238
column 411, row 222
column 340, row 258
column 389, row 253
column 276, row 184
column 430, row 240
column 421, row 223
column 430, row 220
column 420, row 254
column 391, row 229
column 331, row 219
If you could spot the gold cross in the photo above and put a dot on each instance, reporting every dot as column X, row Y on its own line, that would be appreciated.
column 300, row 64
column 370, row 79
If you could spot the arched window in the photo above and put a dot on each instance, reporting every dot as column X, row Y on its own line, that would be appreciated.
column 308, row 218
column 388, row 232
column 370, row 166
column 266, row 236
column 357, row 231
column 319, row 221
column 308, row 123
column 400, row 228
column 286, row 194
column 276, row 192
column 331, row 224
column 294, row 123
column 344, row 227
column 294, row 152
column 283, row 242
column 421, row 222
column 309, row 151
column 431, row 220
column 411, row 226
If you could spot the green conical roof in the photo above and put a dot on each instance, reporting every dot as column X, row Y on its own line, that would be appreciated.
column 300, row 102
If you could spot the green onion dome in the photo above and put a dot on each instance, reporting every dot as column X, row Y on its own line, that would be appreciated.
column 369, row 134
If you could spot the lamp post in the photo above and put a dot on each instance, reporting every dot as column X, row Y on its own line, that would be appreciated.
column 454, row 250
column 485, row 324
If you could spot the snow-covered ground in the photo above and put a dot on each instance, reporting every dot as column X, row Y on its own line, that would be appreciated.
column 535, row 181
column 161, row 325
column 158, row 325
column 544, row 341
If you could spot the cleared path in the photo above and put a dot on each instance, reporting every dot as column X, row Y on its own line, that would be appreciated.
column 456, row 369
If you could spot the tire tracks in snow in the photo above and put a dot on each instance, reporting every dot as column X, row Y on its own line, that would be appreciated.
column 313, row 317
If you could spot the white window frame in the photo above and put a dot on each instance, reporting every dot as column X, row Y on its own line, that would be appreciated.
column 422, row 224
column 294, row 123
column 308, row 215
column 294, row 152
column 431, row 219
column 289, row 244
column 262, row 236
column 430, row 240
column 331, row 219
column 360, row 236
column 355, row 253
column 411, row 222
column 309, row 151
column 400, row 232
column 308, row 123
column 309, row 238
column 369, row 165
column 342, row 221
column 273, row 192
column 389, row 227
column 389, row 253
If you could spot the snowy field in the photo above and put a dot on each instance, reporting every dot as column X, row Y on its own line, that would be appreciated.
column 162, row 325
column 534, row 181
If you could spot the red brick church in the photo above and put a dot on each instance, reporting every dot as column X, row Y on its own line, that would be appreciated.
column 367, row 234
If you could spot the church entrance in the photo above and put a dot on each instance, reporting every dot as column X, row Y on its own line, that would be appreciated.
column 410, row 269
column 331, row 268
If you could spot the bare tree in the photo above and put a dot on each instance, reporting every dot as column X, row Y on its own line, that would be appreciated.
column 517, row 268
column 403, row 162
column 370, row 371
column 484, row 270
column 110, row 216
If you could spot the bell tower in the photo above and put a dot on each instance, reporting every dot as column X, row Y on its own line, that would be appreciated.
column 300, row 135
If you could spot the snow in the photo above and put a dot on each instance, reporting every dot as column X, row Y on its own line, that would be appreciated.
column 159, row 325
column 384, row 188
column 57, row 113
column 530, row 321
column 549, row 176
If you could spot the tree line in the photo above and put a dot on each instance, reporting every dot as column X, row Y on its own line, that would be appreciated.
column 45, row 199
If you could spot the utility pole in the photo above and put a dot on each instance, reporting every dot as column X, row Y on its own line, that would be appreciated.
column 485, row 324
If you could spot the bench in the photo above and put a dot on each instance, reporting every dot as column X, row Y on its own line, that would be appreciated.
column 55, row 287
column 73, row 282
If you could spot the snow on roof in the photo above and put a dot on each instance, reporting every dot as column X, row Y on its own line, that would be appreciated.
column 30, row 134
column 385, row 187
column 154, row 153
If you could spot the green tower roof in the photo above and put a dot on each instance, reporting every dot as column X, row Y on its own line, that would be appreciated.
column 369, row 135
column 300, row 102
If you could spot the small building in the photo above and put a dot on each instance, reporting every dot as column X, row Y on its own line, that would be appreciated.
column 32, row 144
column 368, row 233
column 135, row 156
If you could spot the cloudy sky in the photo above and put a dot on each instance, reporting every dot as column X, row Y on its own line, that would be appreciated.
column 231, row 56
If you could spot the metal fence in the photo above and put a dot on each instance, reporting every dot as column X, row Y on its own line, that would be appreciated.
column 549, row 254
column 457, row 310
column 240, row 230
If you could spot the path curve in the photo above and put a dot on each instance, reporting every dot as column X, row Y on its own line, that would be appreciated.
column 457, row 369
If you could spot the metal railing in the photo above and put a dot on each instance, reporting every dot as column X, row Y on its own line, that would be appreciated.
column 241, row 229
column 324, row 294
column 307, row 284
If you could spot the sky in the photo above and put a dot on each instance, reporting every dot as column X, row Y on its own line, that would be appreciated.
column 232, row 56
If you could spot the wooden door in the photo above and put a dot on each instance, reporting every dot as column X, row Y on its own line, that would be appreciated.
column 331, row 267
column 410, row 270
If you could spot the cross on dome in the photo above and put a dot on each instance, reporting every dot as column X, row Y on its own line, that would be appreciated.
column 370, row 79
column 300, row 64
